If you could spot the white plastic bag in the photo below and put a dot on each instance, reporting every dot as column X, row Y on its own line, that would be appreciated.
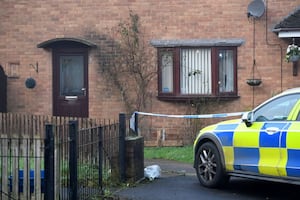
column 151, row 172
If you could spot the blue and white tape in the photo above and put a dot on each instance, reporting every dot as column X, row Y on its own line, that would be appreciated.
column 204, row 116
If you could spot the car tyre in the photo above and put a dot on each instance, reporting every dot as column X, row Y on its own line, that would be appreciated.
column 209, row 168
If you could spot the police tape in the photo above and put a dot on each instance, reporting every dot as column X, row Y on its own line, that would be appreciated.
column 220, row 115
column 203, row 116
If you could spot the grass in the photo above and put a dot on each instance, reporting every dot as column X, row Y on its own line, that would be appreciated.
column 13, row 163
column 181, row 154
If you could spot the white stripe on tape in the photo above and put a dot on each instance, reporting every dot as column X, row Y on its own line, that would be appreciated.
column 220, row 115
column 207, row 116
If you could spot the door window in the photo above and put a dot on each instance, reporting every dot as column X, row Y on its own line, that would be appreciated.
column 71, row 75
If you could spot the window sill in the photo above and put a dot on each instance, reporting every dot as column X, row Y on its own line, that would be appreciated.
column 192, row 98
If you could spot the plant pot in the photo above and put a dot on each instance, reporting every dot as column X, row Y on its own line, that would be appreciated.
column 254, row 81
column 294, row 58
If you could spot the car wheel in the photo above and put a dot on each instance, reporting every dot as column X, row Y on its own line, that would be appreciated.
column 209, row 167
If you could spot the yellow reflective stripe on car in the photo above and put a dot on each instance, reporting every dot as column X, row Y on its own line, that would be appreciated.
column 293, row 136
column 266, row 160
column 229, row 157
column 282, row 163
column 249, row 138
column 294, row 112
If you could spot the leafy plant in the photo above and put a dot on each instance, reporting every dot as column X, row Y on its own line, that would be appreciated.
column 292, row 50
column 128, row 64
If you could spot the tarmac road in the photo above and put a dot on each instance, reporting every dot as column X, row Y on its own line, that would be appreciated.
column 178, row 181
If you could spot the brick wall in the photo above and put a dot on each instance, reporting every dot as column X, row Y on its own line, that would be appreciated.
column 26, row 23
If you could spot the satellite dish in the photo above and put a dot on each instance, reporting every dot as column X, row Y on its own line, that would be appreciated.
column 256, row 8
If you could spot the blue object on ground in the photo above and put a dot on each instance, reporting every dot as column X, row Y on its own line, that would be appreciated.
column 31, row 177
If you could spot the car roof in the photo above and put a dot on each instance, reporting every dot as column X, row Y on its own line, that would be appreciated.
column 291, row 91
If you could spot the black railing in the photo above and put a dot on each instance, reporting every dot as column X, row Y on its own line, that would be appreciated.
column 49, row 163
column 21, row 168
column 71, row 162
column 95, row 158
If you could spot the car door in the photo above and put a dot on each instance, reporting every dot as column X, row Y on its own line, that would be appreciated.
column 290, row 147
column 257, row 148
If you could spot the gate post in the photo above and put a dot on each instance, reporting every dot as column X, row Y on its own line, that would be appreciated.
column 122, row 148
column 73, row 128
column 3, row 91
column 100, row 150
column 136, row 124
column 49, row 163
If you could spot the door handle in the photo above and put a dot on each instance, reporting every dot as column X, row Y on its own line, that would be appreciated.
column 272, row 130
column 84, row 91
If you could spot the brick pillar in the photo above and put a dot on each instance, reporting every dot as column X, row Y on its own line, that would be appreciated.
column 134, row 158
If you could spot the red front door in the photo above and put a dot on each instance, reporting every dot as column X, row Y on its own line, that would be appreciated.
column 70, row 85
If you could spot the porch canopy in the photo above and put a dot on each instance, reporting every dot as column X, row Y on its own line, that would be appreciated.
column 56, row 41
column 289, row 27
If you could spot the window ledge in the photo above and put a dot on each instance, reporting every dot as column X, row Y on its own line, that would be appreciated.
column 197, row 42
column 191, row 98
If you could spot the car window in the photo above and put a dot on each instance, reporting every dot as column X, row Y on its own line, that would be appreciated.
column 276, row 110
column 298, row 117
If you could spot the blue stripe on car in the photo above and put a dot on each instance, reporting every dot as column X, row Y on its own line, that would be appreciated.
column 226, row 137
column 292, row 165
column 247, row 159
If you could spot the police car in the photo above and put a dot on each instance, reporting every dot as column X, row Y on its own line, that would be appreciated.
column 264, row 144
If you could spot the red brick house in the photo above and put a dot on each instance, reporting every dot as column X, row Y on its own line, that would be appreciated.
column 201, row 49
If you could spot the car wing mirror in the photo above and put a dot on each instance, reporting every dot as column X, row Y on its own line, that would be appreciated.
column 247, row 118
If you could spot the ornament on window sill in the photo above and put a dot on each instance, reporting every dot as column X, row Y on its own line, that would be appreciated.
column 194, row 72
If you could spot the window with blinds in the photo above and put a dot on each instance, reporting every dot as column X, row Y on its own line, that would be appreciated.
column 191, row 72
column 195, row 71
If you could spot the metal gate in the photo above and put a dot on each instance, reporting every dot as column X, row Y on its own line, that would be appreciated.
column 68, row 162
column 3, row 88
column 82, row 164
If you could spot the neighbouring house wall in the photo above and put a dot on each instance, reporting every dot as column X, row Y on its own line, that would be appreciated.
column 26, row 23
